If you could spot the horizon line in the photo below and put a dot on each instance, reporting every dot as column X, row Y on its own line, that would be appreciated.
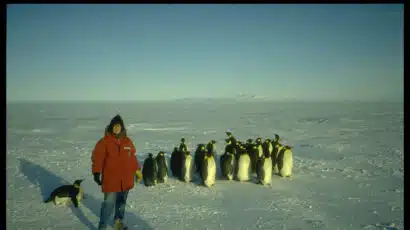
column 239, row 100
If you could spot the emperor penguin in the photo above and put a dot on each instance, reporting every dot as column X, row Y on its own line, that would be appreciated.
column 182, row 146
column 176, row 162
column 276, row 147
column 162, row 164
column 231, row 138
column 229, row 147
column 267, row 147
column 253, row 151
column 244, row 165
column 285, row 162
column 65, row 194
column 208, row 169
column 275, row 156
column 187, row 167
column 150, row 171
column 264, row 169
column 199, row 157
column 211, row 147
column 227, row 162
column 259, row 146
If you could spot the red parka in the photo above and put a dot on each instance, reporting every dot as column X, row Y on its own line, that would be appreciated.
column 116, row 161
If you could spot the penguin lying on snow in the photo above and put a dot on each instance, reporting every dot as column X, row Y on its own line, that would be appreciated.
column 66, row 193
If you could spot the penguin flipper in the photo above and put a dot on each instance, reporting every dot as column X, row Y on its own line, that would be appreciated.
column 75, row 201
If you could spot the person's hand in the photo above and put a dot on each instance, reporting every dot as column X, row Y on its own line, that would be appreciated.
column 97, row 178
column 138, row 176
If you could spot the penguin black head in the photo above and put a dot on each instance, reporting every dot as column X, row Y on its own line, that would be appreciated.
column 258, row 140
column 229, row 134
column 183, row 140
column 150, row 155
column 161, row 153
column 277, row 137
column 213, row 142
column 287, row 147
column 227, row 141
column 249, row 141
column 78, row 182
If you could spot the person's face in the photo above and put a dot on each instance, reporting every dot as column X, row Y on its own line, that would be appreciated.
column 116, row 129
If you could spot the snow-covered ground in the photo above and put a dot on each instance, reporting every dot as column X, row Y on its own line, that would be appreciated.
column 348, row 165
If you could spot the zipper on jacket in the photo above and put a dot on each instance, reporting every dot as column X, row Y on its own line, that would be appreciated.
column 119, row 147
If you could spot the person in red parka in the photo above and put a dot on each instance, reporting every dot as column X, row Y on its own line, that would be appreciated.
column 115, row 168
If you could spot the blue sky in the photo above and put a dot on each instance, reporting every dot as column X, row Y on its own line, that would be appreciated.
column 157, row 52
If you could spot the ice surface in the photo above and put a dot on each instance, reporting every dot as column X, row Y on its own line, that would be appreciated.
column 348, row 165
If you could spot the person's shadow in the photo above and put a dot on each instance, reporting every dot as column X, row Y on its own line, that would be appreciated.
column 48, row 181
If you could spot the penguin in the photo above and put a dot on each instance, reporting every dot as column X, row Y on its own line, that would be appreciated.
column 231, row 138
column 161, row 161
column 264, row 168
column 259, row 146
column 253, row 151
column 208, row 169
column 229, row 147
column 227, row 162
column 211, row 147
column 150, row 171
column 176, row 162
column 267, row 147
column 66, row 193
column 244, row 165
column 277, row 149
column 199, row 157
column 187, row 167
column 285, row 162
column 182, row 146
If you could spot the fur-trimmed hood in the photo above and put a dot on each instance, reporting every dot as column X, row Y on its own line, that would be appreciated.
column 116, row 120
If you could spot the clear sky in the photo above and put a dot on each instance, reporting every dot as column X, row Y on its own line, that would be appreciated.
column 155, row 52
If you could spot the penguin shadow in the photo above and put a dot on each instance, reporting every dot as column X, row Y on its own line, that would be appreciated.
column 48, row 181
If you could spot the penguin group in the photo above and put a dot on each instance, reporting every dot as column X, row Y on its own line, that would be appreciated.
column 155, row 169
column 263, row 158
column 240, row 161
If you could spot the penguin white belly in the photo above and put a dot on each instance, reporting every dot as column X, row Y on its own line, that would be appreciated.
column 211, row 172
column 62, row 201
column 267, row 168
column 243, row 168
column 270, row 148
column 260, row 151
column 187, row 169
column 286, row 169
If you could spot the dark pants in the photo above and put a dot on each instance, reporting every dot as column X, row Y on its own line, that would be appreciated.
column 112, row 200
